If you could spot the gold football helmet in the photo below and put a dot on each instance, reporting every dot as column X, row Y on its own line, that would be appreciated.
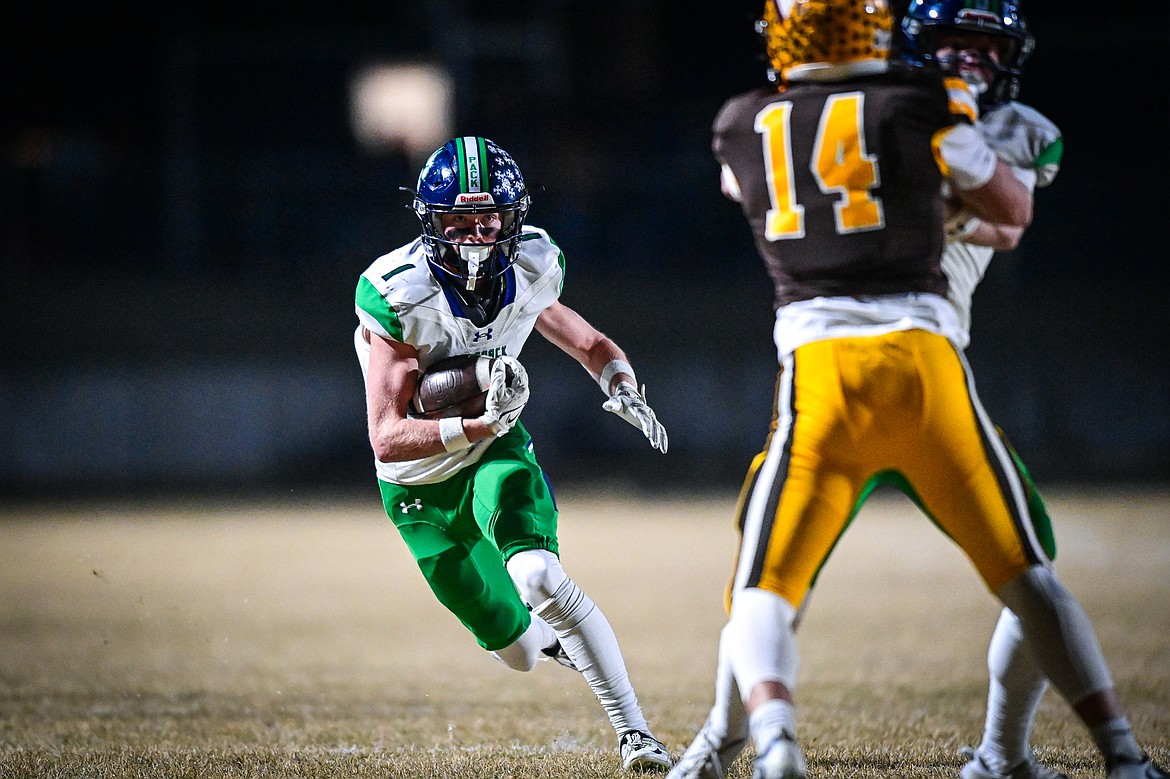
column 824, row 32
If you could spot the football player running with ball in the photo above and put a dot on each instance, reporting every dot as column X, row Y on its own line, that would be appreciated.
column 873, row 384
column 467, row 495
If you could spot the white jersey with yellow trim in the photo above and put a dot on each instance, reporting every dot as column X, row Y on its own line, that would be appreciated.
column 398, row 297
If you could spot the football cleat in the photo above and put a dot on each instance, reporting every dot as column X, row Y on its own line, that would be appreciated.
column 1031, row 768
column 1137, row 769
column 642, row 752
column 782, row 759
column 704, row 759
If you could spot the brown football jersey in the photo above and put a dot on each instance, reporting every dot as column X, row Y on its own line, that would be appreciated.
column 839, row 182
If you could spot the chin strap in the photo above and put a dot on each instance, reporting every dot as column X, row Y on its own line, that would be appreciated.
column 480, row 309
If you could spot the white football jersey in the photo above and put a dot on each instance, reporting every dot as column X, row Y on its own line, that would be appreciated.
column 399, row 298
column 965, row 263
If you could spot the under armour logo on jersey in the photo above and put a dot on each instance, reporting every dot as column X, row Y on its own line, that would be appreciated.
column 482, row 335
column 408, row 506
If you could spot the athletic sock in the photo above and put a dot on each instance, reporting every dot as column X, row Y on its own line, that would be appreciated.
column 1014, row 692
column 769, row 721
column 1116, row 742
column 589, row 641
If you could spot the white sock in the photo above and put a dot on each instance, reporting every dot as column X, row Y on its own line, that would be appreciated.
column 1116, row 742
column 727, row 721
column 1013, row 695
column 769, row 721
column 589, row 641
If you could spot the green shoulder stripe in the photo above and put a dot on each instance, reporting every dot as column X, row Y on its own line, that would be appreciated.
column 1052, row 155
column 371, row 301
column 396, row 271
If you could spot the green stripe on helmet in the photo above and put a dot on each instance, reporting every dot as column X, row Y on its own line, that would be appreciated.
column 472, row 160
column 461, row 161
column 481, row 145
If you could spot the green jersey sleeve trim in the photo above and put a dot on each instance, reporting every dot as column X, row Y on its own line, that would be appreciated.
column 373, row 303
column 1051, row 155
column 560, row 262
column 396, row 271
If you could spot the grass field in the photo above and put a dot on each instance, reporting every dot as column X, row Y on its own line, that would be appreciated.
column 298, row 640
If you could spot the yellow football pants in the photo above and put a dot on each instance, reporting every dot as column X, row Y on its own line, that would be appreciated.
column 849, row 409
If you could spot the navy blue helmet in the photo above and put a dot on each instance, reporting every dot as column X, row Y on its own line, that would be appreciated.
column 471, row 175
column 925, row 22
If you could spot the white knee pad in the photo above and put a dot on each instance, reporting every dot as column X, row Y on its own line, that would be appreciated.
column 761, row 642
column 523, row 653
column 537, row 573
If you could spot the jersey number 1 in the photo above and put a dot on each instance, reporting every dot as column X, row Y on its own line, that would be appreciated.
column 840, row 165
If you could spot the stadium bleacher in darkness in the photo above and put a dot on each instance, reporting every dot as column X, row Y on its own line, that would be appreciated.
column 185, row 207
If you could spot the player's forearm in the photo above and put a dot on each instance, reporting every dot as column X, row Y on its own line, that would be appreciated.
column 998, row 237
column 609, row 365
column 413, row 439
column 395, row 440
column 1002, row 199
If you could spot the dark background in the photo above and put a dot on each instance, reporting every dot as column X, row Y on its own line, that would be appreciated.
column 184, row 212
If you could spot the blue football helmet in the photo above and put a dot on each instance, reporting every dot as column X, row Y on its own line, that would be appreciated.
column 471, row 175
column 926, row 21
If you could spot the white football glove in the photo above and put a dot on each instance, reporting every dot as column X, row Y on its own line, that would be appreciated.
column 630, row 404
column 1024, row 138
column 505, row 398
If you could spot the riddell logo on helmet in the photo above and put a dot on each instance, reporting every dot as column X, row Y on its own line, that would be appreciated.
column 473, row 199
column 979, row 16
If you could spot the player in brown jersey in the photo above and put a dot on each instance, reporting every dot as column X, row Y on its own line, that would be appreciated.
column 838, row 171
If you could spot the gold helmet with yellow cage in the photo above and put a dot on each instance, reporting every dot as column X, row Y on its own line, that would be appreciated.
column 808, row 35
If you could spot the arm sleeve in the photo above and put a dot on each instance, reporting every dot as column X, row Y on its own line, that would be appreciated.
column 963, row 156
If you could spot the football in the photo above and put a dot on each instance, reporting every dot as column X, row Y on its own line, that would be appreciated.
column 453, row 387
